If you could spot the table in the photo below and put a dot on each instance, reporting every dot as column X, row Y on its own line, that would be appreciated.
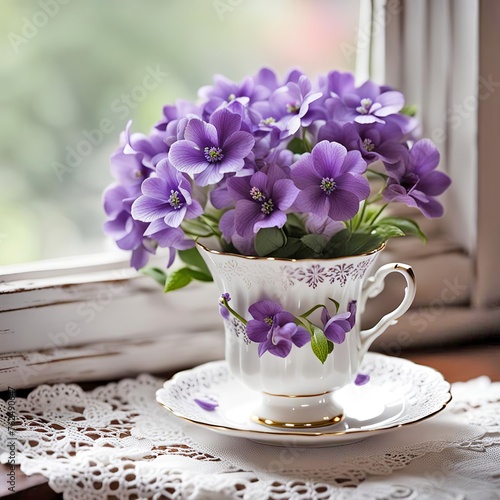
column 457, row 364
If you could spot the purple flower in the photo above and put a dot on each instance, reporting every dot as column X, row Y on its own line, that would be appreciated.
column 172, row 238
column 369, row 103
column 274, row 329
column 374, row 142
column 330, row 181
column 126, row 231
column 335, row 327
column 166, row 196
column 322, row 225
column 415, row 182
column 292, row 103
column 226, row 91
column 267, row 78
column 352, row 308
column 223, row 310
column 175, row 119
column 213, row 149
column 260, row 200
column 136, row 158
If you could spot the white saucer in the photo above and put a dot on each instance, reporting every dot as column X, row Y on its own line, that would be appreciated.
column 399, row 393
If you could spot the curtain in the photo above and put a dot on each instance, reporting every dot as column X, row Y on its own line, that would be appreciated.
column 429, row 50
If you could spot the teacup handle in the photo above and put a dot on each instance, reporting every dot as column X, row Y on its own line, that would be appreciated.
column 373, row 287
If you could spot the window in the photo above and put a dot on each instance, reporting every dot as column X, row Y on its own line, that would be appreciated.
column 72, row 75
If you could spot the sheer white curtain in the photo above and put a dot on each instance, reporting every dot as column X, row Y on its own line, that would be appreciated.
column 429, row 50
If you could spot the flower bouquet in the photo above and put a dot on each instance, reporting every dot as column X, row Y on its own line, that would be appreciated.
column 276, row 169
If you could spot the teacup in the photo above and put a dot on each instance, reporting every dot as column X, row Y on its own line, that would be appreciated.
column 297, row 391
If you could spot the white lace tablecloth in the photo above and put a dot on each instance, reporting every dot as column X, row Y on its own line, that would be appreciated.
column 117, row 442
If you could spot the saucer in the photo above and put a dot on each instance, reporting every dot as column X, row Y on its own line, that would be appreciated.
column 398, row 394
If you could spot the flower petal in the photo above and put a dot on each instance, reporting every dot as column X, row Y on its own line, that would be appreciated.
column 434, row 183
column 354, row 163
column 275, row 219
column 257, row 331
column 362, row 379
column 424, row 156
column 282, row 349
column 226, row 124
column 313, row 200
column 205, row 403
column 186, row 156
column 174, row 217
column 154, row 187
column 284, row 193
column 328, row 158
column 148, row 209
column 247, row 214
column 201, row 133
column 392, row 102
column 264, row 309
column 355, row 184
column 238, row 145
column 344, row 205
column 211, row 175
column 301, row 337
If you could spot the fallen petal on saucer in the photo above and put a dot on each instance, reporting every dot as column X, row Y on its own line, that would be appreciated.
column 362, row 379
column 208, row 403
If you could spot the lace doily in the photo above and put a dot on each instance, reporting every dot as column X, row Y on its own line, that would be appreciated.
column 117, row 442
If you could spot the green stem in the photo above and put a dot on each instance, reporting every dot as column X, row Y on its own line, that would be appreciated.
column 306, row 142
column 308, row 313
column 376, row 216
column 224, row 302
column 198, row 235
column 376, row 198
column 361, row 215
column 379, row 174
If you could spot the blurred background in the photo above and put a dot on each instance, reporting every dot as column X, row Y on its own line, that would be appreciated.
column 72, row 73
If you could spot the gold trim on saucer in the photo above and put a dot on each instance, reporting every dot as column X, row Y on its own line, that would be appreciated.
column 291, row 425
column 297, row 395
column 318, row 434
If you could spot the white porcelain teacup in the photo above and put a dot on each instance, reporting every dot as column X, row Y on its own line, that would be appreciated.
column 297, row 391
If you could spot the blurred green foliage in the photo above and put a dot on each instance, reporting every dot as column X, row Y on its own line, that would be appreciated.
column 63, row 63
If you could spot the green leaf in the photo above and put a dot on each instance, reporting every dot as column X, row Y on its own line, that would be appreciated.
column 345, row 243
column 178, row 279
column 409, row 227
column 193, row 258
column 294, row 226
column 159, row 275
column 316, row 242
column 268, row 240
column 337, row 305
column 386, row 232
column 308, row 313
column 198, row 274
column 319, row 344
column 410, row 110
column 297, row 146
column 330, row 346
column 292, row 246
